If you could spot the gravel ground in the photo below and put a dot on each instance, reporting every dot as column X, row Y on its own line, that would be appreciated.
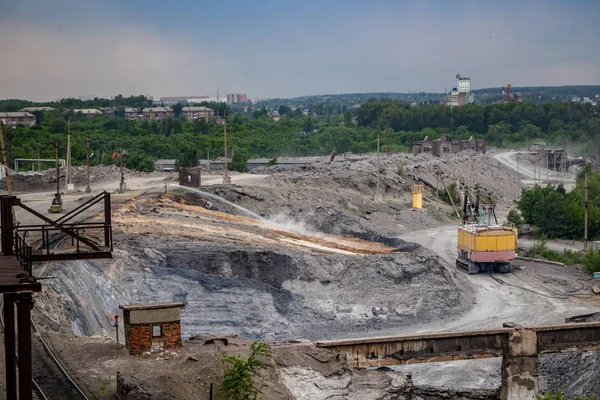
column 47, row 179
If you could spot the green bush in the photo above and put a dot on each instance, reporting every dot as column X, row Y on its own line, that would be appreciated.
column 238, row 379
column 401, row 169
column 591, row 260
column 453, row 190
column 273, row 161
column 540, row 250
column 540, row 245
column 515, row 217
column 559, row 395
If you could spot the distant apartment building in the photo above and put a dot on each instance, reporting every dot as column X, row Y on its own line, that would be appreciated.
column 445, row 145
column 88, row 112
column 237, row 98
column 194, row 113
column 13, row 119
column 148, row 114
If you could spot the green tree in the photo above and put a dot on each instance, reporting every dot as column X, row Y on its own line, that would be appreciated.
column 187, row 158
column 239, row 161
column 238, row 379
column 285, row 110
column 177, row 109
column 307, row 125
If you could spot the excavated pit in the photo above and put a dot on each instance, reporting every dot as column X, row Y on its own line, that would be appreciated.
column 241, row 276
column 258, row 293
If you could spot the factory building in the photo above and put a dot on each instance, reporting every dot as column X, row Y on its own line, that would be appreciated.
column 445, row 145
column 461, row 94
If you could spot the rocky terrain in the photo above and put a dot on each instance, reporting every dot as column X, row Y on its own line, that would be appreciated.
column 238, row 275
column 304, row 252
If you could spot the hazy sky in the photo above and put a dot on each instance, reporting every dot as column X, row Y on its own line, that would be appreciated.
column 268, row 48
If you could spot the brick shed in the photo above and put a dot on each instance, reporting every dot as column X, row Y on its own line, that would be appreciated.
column 152, row 327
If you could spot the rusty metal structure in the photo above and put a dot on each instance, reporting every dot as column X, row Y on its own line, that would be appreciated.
column 23, row 245
column 518, row 346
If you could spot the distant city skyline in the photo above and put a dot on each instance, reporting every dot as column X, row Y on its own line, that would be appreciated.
column 69, row 48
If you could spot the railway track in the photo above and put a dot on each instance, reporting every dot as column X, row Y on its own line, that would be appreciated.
column 50, row 378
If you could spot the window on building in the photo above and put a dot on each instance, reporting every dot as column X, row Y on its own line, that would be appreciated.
column 156, row 331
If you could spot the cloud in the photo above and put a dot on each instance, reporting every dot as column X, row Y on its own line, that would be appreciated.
column 389, row 47
column 47, row 63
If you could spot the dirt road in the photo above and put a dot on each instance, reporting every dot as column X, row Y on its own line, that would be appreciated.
column 531, row 296
column 530, row 174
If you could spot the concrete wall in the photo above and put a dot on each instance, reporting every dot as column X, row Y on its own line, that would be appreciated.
column 134, row 317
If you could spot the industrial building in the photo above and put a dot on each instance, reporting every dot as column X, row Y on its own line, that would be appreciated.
column 169, row 101
column 32, row 109
column 88, row 112
column 445, row 145
column 461, row 94
column 509, row 97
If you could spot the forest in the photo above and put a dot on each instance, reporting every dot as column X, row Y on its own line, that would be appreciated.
column 560, row 214
column 355, row 130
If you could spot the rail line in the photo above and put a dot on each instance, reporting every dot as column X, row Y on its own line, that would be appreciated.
column 49, row 373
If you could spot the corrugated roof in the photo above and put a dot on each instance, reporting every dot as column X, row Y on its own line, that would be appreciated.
column 37, row 109
column 192, row 109
column 151, row 109
column 88, row 111
column 15, row 114
column 165, row 161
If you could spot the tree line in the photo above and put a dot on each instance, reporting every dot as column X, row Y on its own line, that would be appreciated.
column 258, row 135
column 560, row 214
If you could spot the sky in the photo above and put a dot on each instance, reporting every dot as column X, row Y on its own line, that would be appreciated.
column 266, row 48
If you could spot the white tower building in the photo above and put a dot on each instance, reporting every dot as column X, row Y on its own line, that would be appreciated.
column 463, row 84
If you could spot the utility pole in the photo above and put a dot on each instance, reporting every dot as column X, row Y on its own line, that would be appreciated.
column 547, row 169
column 595, row 138
column 585, row 207
column 378, row 168
column 226, row 178
column 68, row 175
column 534, row 174
column 5, row 161
column 88, row 189
column 56, row 206
column 122, row 186
column 437, row 187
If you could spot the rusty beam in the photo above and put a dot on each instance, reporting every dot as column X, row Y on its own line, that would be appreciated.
column 69, row 232
column 10, row 359
column 450, row 346
column 81, row 208
column 71, row 256
column 436, row 347
column 571, row 337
